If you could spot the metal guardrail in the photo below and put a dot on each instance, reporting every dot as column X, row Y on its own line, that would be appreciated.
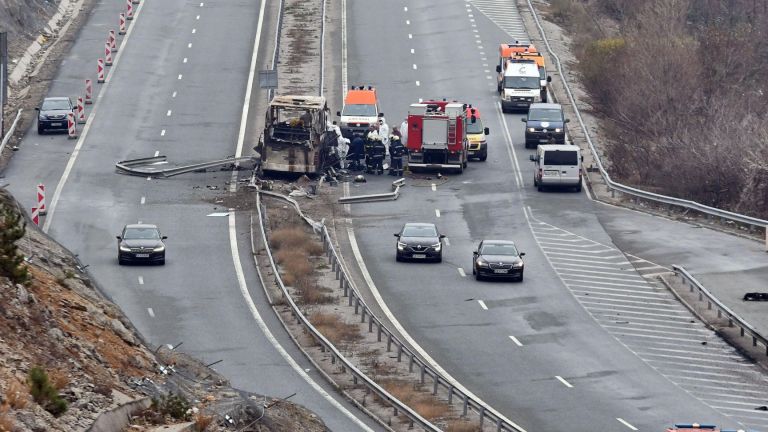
column 722, row 310
column 8, row 135
column 336, row 355
column 404, row 353
column 629, row 190
column 396, row 185
column 142, row 166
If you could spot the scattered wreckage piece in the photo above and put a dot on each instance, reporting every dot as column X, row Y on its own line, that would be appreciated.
column 391, row 196
column 149, row 166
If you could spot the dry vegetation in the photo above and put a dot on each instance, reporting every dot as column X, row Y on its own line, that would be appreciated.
column 296, row 253
column 680, row 85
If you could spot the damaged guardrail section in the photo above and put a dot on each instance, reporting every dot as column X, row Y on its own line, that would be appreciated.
column 427, row 375
column 745, row 329
column 391, row 196
column 148, row 166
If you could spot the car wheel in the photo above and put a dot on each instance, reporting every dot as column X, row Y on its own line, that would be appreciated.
column 474, row 272
column 398, row 258
column 520, row 279
column 162, row 262
column 478, row 277
column 120, row 261
column 483, row 156
column 540, row 188
column 578, row 188
column 40, row 130
column 439, row 258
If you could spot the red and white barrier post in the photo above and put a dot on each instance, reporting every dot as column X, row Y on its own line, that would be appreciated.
column 41, row 198
column 122, row 24
column 36, row 216
column 80, row 111
column 112, row 41
column 107, row 54
column 100, row 70
column 129, row 11
column 72, row 126
column 88, row 92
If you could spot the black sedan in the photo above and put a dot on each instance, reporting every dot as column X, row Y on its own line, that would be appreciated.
column 141, row 243
column 419, row 241
column 53, row 114
column 497, row 259
column 545, row 124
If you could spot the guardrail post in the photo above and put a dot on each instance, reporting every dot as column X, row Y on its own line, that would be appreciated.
column 719, row 313
column 464, row 409
column 434, row 386
column 357, row 305
column 378, row 332
column 422, row 373
column 701, row 296
column 754, row 341
column 399, row 352
column 362, row 315
column 482, row 416
column 354, row 379
column 450, row 394
column 351, row 294
column 730, row 322
column 389, row 342
column 370, row 325
column 394, row 409
column 338, row 272
column 741, row 331
column 709, row 305
column 343, row 285
column 410, row 363
column 498, row 424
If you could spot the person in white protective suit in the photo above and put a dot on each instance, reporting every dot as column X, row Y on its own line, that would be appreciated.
column 384, row 133
column 404, row 131
column 342, row 146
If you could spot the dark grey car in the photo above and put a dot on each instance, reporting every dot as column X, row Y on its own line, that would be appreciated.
column 545, row 124
column 52, row 114
column 497, row 259
column 141, row 243
column 419, row 241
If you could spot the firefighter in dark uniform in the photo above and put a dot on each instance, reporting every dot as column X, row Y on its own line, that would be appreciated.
column 379, row 152
column 370, row 140
column 396, row 153
column 356, row 153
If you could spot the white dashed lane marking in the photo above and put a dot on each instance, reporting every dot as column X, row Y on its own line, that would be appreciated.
column 516, row 341
column 461, row 272
column 618, row 291
column 151, row 312
column 141, row 280
column 562, row 380
column 482, row 304
column 624, row 422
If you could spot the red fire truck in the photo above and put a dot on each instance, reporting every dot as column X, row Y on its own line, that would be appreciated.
column 437, row 137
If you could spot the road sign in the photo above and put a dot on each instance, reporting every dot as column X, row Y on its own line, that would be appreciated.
column 268, row 79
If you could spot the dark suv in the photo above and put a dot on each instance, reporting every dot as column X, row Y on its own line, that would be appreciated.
column 53, row 114
column 141, row 243
column 419, row 241
column 545, row 124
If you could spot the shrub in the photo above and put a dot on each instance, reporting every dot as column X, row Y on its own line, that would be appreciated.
column 291, row 237
column 172, row 405
column 12, row 228
column 44, row 393
column 334, row 329
column 462, row 426
column 6, row 422
column 202, row 421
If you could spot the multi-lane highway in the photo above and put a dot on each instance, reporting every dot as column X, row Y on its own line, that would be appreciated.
column 178, row 87
column 586, row 342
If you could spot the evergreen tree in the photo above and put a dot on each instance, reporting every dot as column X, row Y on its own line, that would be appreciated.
column 12, row 228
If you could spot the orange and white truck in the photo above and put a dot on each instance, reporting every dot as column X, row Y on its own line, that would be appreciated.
column 522, row 78
column 360, row 111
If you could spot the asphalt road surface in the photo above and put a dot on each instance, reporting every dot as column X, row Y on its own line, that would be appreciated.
column 585, row 342
column 177, row 88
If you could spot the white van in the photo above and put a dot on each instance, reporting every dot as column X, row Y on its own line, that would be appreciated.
column 557, row 165
column 521, row 85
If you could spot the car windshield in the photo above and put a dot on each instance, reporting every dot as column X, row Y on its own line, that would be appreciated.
column 419, row 231
column 549, row 114
column 521, row 82
column 499, row 249
column 359, row 110
column 561, row 157
column 476, row 127
column 55, row 104
column 141, row 234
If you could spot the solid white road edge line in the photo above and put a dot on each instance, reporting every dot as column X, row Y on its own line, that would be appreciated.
column 510, row 147
column 400, row 329
column 87, row 127
column 562, row 380
column 236, row 255
column 268, row 334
